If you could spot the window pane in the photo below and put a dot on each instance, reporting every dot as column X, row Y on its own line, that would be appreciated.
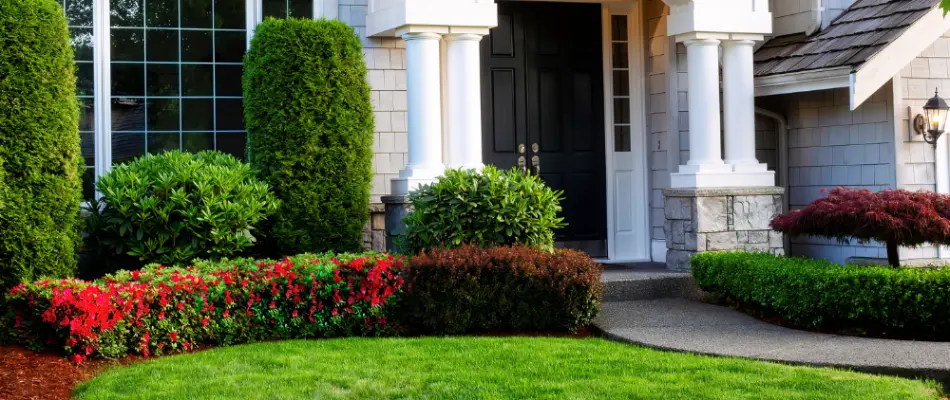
column 79, row 12
column 228, row 80
column 197, row 80
column 127, row 146
column 85, row 79
column 81, row 39
column 162, row 13
column 197, row 141
column 301, row 8
column 621, row 138
column 162, row 142
column 196, row 14
column 163, row 115
column 88, row 183
column 128, row 115
column 87, row 147
column 232, row 143
column 197, row 114
column 229, row 114
column 622, row 83
column 128, row 44
column 620, row 55
column 87, row 113
column 229, row 46
column 162, row 45
column 196, row 46
column 229, row 14
column 622, row 111
column 618, row 25
column 274, row 8
column 128, row 79
column 162, row 79
column 125, row 13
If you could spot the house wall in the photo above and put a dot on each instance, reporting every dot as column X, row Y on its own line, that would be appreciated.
column 386, row 61
column 829, row 146
column 658, row 69
column 917, row 81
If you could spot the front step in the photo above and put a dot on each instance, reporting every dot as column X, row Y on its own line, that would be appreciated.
column 647, row 282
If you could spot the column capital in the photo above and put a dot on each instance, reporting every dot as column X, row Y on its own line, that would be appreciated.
column 702, row 42
column 421, row 36
column 474, row 37
column 740, row 42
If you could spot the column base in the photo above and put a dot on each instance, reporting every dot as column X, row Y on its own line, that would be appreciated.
column 727, row 178
column 720, row 219
column 412, row 177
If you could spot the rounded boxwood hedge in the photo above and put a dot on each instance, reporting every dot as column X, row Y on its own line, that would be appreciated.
column 484, row 208
column 310, row 131
column 39, row 143
column 817, row 294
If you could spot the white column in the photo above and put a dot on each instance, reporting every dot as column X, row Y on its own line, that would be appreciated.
column 464, row 101
column 739, row 103
column 424, row 114
column 704, row 120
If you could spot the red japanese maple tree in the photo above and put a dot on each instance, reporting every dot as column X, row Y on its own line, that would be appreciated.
column 894, row 217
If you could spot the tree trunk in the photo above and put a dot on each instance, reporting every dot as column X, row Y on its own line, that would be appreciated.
column 893, row 254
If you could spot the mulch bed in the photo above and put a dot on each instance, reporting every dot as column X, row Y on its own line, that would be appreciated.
column 29, row 375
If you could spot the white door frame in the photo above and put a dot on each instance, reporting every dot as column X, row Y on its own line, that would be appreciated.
column 628, row 222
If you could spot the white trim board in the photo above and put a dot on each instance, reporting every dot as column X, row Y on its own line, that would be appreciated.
column 892, row 58
column 803, row 81
column 628, row 222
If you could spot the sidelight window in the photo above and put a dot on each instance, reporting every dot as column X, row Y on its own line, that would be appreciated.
column 620, row 66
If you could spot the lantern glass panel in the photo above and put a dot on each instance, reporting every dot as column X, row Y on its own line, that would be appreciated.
column 936, row 119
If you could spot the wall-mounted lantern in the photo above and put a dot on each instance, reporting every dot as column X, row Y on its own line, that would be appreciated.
column 933, row 124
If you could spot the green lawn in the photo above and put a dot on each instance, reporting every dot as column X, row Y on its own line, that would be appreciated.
column 479, row 368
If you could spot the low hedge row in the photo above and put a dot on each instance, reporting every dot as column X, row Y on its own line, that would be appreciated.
column 501, row 289
column 816, row 294
column 159, row 310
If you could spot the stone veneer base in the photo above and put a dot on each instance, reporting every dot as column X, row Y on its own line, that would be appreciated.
column 720, row 219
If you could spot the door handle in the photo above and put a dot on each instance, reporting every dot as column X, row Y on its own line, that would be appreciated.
column 536, row 165
column 522, row 165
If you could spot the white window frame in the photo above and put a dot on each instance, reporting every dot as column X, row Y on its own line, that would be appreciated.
column 102, row 67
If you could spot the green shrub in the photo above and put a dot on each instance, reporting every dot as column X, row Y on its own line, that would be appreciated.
column 501, row 289
column 816, row 294
column 485, row 208
column 176, row 206
column 39, row 144
column 310, row 131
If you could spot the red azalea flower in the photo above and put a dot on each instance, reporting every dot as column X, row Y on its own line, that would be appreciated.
column 173, row 336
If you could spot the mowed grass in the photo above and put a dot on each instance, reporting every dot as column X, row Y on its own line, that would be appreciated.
column 479, row 368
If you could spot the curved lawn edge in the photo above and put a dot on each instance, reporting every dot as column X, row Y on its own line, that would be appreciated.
column 480, row 367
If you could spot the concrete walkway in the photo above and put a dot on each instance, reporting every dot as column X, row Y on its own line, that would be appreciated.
column 691, row 326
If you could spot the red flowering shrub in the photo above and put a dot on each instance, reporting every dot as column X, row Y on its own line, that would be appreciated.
column 160, row 310
column 894, row 217
column 501, row 289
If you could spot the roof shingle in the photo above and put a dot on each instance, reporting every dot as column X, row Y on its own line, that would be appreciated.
column 852, row 39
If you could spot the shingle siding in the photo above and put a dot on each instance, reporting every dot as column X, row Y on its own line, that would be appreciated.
column 831, row 146
column 657, row 60
column 386, row 60
column 917, row 171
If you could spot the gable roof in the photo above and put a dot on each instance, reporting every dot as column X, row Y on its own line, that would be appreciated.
column 855, row 37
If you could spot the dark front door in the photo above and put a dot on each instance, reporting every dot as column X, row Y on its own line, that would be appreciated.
column 542, row 91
